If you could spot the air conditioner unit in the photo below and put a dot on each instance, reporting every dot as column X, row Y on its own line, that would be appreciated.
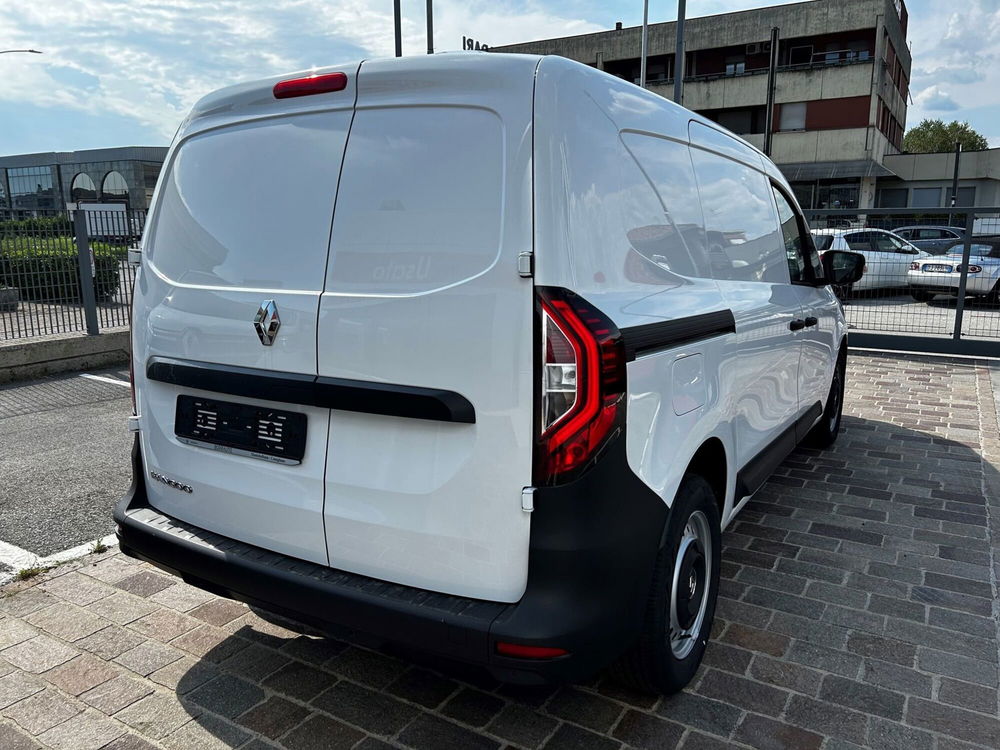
column 754, row 48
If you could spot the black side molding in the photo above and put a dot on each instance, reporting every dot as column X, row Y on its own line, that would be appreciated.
column 670, row 333
column 310, row 390
column 759, row 468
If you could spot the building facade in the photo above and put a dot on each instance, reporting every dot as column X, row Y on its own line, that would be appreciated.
column 925, row 180
column 32, row 182
column 840, row 93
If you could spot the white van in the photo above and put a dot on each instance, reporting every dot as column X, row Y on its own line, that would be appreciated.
column 472, row 353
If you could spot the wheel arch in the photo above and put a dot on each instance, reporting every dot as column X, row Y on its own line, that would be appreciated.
column 709, row 462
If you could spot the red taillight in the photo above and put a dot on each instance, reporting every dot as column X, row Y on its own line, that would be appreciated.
column 583, row 383
column 914, row 266
column 519, row 651
column 310, row 85
column 972, row 269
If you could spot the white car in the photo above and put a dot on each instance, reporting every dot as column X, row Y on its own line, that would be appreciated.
column 474, row 353
column 942, row 274
column 887, row 257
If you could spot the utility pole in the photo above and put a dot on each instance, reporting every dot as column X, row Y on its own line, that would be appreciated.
column 645, row 41
column 954, row 181
column 772, row 75
column 430, row 27
column 679, row 55
column 398, row 25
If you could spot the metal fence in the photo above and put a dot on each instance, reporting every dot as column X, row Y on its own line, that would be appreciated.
column 44, row 255
column 931, row 281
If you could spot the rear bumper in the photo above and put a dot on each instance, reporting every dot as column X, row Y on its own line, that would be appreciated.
column 593, row 547
column 948, row 283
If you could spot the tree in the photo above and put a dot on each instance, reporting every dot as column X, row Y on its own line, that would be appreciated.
column 934, row 135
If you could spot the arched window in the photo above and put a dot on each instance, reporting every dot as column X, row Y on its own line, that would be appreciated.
column 114, row 188
column 82, row 188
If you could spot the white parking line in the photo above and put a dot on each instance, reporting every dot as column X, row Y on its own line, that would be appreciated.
column 21, row 559
column 103, row 379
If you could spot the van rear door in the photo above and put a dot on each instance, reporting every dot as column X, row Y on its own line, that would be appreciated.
column 240, row 225
column 424, row 314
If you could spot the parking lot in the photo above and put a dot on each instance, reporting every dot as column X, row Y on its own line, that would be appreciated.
column 858, row 609
column 63, row 460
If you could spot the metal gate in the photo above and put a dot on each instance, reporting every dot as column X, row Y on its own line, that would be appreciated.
column 931, row 281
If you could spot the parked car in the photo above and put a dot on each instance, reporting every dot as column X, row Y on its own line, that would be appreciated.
column 932, row 239
column 887, row 257
column 942, row 274
column 438, row 349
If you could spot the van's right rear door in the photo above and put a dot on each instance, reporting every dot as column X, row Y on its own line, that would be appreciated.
column 423, row 306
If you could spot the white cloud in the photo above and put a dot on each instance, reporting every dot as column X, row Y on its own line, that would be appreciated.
column 935, row 100
column 149, row 62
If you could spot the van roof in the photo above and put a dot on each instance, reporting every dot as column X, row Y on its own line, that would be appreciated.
column 255, row 98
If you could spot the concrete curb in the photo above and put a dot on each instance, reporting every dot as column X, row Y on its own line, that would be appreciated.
column 45, row 355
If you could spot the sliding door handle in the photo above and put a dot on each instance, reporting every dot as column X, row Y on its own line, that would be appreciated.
column 811, row 322
column 797, row 325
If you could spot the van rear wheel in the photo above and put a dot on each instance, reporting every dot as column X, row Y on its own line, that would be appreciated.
column 681, row 603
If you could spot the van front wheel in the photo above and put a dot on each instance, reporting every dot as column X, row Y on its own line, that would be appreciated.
column 681, row 603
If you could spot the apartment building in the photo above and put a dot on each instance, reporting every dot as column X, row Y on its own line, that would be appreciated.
column 840, row 94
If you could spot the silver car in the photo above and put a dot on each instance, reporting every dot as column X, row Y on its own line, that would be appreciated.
column 942, row 274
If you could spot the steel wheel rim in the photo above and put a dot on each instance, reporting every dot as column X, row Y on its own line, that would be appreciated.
column 696, row 539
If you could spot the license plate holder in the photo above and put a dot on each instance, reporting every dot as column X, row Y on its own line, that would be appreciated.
column 241, row 429
column 936, row 268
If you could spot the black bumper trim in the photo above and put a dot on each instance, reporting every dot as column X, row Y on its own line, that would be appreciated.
column 364, row 396
column 592, row 550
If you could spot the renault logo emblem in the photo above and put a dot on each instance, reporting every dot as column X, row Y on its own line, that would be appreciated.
column 267, row 322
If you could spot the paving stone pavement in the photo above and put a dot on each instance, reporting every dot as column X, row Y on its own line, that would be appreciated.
column 858, row 609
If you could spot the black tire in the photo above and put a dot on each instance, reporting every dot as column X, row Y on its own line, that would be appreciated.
column 651, row 665
column 922, row 295
column 825, row 432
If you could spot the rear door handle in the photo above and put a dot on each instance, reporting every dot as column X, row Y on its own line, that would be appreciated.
column 811, row 321
column 797, row 325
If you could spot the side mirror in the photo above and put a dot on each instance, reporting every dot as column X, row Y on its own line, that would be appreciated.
column 842, row 268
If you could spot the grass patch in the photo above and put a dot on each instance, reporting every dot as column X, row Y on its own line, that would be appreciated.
column 27, row 573
column 99, row 547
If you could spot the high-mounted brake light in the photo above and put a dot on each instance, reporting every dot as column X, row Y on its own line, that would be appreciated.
column 520, row 651
column 583, row 385
column 322, row 84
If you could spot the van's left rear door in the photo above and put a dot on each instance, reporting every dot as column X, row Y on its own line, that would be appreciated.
column 241, row 219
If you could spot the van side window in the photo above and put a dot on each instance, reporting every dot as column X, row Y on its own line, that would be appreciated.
column 676, row 239
column 742, row 230
column 803, row 260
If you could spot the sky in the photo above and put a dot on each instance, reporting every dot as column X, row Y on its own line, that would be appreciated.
column 125, row 72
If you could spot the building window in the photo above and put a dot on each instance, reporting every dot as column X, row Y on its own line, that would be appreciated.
column 82, row 188
column 114, row 188
column 736, row 65
column 837, row 196
column 800, row 55
column 966, row 196
column 803, row 192
column 3, row 194
column 793, row 116
column 31, row 188
column 890, row 198
column 926, row 198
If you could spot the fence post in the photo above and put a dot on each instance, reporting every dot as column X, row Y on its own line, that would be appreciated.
column 970, row 218
column 86, row 272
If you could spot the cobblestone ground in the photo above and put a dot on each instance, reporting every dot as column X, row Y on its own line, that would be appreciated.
column 858, row 609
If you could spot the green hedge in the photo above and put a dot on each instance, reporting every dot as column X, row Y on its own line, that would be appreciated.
column 47, row 269
column 45, row 225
